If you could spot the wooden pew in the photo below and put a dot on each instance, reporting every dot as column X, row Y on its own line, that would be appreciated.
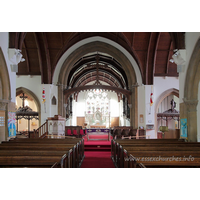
column 78, row 141
column 33, row 161
column 44, row 147
column 152, row 145
column 116, row 143
column 121, row 155
column 79, row 149
column 160, row 160
column 119, row 130
column 165, row 150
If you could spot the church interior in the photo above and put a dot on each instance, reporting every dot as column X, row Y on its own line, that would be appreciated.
column 103, row 104
column 101, row 87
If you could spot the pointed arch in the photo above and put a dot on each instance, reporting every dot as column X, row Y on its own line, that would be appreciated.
column 191, row 90
column 33, row 96
column 4, row 78
column 162, row 96
column 131, row 70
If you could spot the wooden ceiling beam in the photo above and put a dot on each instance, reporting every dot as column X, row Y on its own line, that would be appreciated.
column 168, row 57
column 101, row 77
column 39, row 56
column 155, row 52
column 68, row 92
column 21, row 40
column 132, row 42
column 147, row 60
column 46, row 48
column 27, row 58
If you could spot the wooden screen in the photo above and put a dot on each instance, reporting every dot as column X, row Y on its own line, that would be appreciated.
column 114, row 121
column 80, row 121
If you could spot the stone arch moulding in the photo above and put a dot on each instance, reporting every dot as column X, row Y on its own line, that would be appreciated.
column 5, row 93
column 97, row 39
column 5, row 79
column 190, row 100
column 105, row 48
column 33, row 96
column 162, row 96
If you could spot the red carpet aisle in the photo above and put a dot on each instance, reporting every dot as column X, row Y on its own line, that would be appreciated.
column 97, row 154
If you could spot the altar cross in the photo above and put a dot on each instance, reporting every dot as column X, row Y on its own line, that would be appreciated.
column 23, row 97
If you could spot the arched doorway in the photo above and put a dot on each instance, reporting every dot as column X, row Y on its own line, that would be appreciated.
column 5, row 97
column 21, row 90
column 115, row 53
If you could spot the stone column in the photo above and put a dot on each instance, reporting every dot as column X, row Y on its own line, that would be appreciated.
column 60, row 100
column 65, row 106
column 134, row 106
column 190, row 112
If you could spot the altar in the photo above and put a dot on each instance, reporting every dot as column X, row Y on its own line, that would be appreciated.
column 97, row 126
column 98, row 132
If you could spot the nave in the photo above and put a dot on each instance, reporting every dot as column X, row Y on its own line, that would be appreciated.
column 50, row 151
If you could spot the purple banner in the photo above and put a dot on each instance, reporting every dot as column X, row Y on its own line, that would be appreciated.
column 94, row 130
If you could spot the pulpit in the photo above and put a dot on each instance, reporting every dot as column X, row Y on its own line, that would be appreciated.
column 56, row 125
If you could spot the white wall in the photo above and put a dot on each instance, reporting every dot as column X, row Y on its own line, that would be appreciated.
column 80, row 109
column 33, row 83
column 162, row 84
column 4, row 42
column 114, row 105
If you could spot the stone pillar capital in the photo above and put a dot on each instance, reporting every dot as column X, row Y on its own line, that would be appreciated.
column 3, row 105
column 191, row 105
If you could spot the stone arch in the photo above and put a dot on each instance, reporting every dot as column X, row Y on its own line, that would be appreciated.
column 162, row 96
column 105, row 48
column 189, row 106
column 33, row 96
column 5, row 94
column 4, row 78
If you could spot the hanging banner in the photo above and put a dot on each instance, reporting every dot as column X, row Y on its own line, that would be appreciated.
column 183, row 128
column 11, row 124
column 44, row 99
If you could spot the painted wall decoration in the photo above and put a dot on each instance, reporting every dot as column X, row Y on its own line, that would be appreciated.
column 11, row 124
column 183, row 128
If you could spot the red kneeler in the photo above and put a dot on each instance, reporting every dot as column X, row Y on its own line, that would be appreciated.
column 69, row 133
column 81, row 132
column 75, row 133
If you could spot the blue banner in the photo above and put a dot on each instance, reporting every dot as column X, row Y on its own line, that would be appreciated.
column 183, row 128
column 11, row 124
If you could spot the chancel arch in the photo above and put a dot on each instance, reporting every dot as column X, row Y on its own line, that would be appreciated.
column 98, row 46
